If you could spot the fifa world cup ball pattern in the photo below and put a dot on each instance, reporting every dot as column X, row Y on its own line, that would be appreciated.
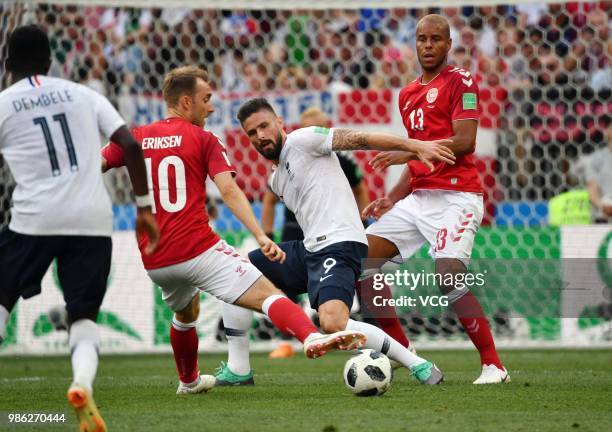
column 368, row 373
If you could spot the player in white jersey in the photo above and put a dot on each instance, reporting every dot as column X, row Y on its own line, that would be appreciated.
column 50, row 138
column 307, row 177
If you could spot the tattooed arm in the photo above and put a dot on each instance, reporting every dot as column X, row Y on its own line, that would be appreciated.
column 427, row 151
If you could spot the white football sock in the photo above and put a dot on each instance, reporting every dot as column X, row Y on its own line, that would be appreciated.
column 378, row 340
column 84, row 345
column 237, row 322
column 181, row 326
column 4, row 317
column 267, row 303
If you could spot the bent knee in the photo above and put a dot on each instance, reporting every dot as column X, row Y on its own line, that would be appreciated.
column 331, row 323
column 265, row 287
column 191, row 312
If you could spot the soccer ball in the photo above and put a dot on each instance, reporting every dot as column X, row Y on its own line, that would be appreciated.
column 368, row 373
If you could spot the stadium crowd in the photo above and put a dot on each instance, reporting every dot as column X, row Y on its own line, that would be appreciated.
column 543, row 69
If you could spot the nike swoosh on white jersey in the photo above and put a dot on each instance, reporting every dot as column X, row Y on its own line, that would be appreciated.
column 323, row 278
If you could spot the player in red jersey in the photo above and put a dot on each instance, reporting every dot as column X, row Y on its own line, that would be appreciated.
column 191, row 258
column 443, row 206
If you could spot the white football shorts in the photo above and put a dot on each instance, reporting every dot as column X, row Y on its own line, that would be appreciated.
column 219, row 271
column 447, row 220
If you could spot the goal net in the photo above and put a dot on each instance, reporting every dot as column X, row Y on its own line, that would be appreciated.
column 545, row 80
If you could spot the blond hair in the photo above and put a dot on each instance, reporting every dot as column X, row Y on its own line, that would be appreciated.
column 314, row 112
column 181, row 81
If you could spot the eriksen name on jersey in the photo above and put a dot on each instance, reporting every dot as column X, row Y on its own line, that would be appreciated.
column 154, row 143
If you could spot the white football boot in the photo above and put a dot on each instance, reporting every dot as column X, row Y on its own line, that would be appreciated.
column 202, row 385
column 492, row 375
column 317, row 344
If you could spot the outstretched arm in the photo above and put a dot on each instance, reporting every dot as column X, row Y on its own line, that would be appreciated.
column 426, row 151
column 462, row 142
column 238, row 203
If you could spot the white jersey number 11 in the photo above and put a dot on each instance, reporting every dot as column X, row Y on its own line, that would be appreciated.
column 44, row 125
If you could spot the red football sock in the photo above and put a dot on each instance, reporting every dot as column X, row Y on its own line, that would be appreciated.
column 472, row 319
column 184, row 341
column 385, row 316
column 393, row 328
column 288, row 317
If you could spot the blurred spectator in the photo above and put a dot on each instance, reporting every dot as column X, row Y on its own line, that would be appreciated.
column 233, row 78
column 530, row 13
column 469, row 42
column 602, row 79
column 515, row 57
column 371, row 19
column 237, row 23
column 455, row 20
column 576, row 76
column 298, row 38
column 460, row 58
column 599, row 182
column 544, row 69
column 401, row 27
column 486, row 25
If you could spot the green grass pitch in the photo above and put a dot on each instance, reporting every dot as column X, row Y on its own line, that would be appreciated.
column 550, row 391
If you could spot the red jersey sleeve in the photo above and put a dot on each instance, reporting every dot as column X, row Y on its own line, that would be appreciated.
column 465, row 98
column 400, row 99
column 216, row 159
column 113, row 154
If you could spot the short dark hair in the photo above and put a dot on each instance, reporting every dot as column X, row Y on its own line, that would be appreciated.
column 181, row 81
column 28, row 51
column 251, row 107
column 436, row 19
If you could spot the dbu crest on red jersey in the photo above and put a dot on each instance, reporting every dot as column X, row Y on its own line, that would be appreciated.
column 432, row 95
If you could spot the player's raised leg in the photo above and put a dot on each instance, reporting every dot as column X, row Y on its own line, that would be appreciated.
column 329, row 276
column 334, row 315
column 393, row 235
column 290, row 319
column 237, row 371
column 385, row 316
